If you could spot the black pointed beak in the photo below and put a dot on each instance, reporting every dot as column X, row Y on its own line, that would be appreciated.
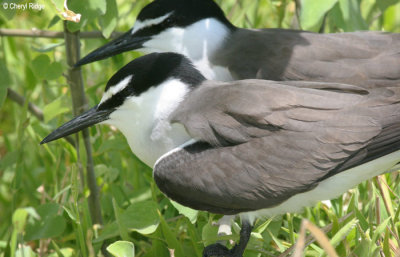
column 124, row 43
column 85, row 120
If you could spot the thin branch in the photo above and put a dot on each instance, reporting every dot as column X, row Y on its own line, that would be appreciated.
column 75, row 81
column 32, row 108
column 51, row 34
column 19, row 99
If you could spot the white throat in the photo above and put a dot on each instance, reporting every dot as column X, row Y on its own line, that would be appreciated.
column 199, row 42
column 144, row 121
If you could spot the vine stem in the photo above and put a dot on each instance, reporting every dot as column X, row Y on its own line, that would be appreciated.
column 51, row 34
column 75, row 81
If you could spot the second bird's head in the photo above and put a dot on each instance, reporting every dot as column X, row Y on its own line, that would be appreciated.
column 147, row 87
column 183, row 26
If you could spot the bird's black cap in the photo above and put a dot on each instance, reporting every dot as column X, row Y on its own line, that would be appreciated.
column 143, row 73
column 149, row 71
column 181, row 13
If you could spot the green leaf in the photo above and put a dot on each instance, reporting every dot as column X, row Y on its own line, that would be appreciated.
column 66, row 252
column 89, row 9
column 97, row 5
column 363, row 248
column 55, row 108
column 51, row 223
column 170, row 237
column 312, row 13
column 141, row 217
column 19, row 219
column 116, row 144
column 109, row 231
column 363, row 221
column 277, row 242
column 209, row 233
column 51, row 228
column 386, row 243
column 30, row 78
column 32, row 212
column 54, row 21
column 352, row 15
column 82, row 8
column 58, row 4
column 261, row 228
column 186, row 211
column 40, row 65
column 3, row 94
column 122, row 249
column 61, row 192
column 123, row 230
column 5, row 81
column 384, row 4
column 20, row 216
column 9, row 159
column 108, row 21
column 159, row 247
column 70, row 213
column 25, row 251
column 273, row 228
column 108, row 173
column 55, row 71
column 44, row 69
column 256, row 242
column 379, row 230
column 343, row 232
column 47, row 48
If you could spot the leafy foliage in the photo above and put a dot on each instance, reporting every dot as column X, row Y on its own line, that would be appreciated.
column 43, row 192
column 122, row 249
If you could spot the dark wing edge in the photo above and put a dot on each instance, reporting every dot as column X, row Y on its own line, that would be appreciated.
column 280, row 146
column 249, row 177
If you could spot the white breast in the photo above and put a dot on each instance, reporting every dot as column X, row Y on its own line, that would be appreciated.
column 198, row 42
column 144, row 121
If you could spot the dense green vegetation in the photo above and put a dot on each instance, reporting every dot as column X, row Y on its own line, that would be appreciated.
column 44, row 208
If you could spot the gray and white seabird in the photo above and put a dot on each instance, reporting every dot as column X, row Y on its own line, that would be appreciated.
column 221, row 51
column 250, row 147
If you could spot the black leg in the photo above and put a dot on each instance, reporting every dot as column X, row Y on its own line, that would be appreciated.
column 218, row 250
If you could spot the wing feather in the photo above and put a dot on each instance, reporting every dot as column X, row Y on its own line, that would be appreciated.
column 261, row 142
column 368, row 59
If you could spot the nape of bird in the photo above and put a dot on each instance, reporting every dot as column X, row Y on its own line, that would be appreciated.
column 221, row 51
column 254, row 148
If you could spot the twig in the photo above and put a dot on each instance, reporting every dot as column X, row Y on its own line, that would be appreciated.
column 318, row 234
column 51, row 34
column 19, row 99
column 79, row 103
column 32, row 108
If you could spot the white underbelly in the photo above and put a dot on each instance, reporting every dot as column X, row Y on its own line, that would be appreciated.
column 151, row 147
column 331, row 187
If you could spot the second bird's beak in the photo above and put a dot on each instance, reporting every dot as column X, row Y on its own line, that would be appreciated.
column 124, row 43
column 85, row 120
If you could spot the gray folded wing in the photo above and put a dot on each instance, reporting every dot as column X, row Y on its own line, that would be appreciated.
column 261, row 142
column 368, row 59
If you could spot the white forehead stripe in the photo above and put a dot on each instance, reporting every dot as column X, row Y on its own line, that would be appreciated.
column 150, row 22
column 116, row 88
